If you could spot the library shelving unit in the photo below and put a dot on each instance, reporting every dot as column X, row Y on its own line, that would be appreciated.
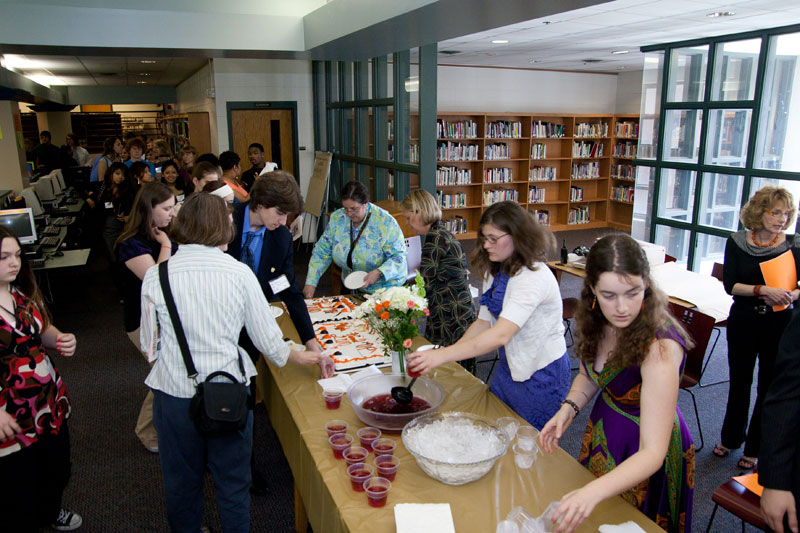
column 187, row 128
column 557, row 166
column 623, row 172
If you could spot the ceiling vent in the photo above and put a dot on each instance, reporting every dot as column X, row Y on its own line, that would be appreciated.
column 449, row 52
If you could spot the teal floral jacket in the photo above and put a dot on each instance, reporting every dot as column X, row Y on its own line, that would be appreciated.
column 381, row 246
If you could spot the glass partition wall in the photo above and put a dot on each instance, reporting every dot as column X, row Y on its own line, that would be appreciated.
column 378, row 119
column 719, row 120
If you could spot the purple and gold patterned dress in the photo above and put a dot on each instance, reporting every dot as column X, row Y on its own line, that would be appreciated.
column 612, row 435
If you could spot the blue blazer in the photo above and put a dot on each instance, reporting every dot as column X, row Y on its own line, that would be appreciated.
column 277, row 257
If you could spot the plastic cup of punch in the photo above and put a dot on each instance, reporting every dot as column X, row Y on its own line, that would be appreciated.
column 332, row 399
column 509, row 424
column 355, row 454
column 526, row 437
column 334, row 427
column 377, row 489
column 384, row 446
column 367, row 436
column 339, row 443
column 524, row 458
column 387, row 466
column 358, row 474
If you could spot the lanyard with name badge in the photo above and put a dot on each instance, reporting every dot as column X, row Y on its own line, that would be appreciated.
column 354, row 242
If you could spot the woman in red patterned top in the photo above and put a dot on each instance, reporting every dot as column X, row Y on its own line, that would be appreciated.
column 34, row 407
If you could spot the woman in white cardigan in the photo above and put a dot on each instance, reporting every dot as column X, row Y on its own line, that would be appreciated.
column 520, row 316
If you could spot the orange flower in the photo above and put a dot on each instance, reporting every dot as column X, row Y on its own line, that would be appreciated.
column 385, row 315
column 386, row 304
column 378, row 308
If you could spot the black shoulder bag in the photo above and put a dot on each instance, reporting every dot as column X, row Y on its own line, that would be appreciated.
column 217, row 408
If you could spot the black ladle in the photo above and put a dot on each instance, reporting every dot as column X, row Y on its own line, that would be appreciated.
column 403, row 394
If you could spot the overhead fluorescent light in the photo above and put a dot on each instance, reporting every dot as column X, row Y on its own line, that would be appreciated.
column 620, row 51
column 147, row 61
column 145, row 74
column 141, row 82
column 45, row 79
column 500, row 41
column 716, row 14
column 15, row 62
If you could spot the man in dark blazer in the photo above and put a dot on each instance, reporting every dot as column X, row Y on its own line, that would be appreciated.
column 779, row 458
column 261, row 224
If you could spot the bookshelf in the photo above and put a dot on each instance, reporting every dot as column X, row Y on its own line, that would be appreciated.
column 187, row 128
column 625, row 138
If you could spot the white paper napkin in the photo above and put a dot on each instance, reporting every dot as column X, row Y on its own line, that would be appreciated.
column 342, row 382
column 626, row 527
column 423, row 518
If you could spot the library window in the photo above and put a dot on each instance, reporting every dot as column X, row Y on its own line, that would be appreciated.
column 720, row 126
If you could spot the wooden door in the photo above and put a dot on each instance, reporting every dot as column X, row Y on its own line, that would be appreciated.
column 272, row 128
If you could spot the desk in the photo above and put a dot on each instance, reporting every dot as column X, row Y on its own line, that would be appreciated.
column 323, row 495
column 71, row 258
column 560, row 268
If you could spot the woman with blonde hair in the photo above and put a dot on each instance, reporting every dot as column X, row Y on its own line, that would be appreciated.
column 754, row 325
column 443, row 266
column 632, row 352
column 520, row 316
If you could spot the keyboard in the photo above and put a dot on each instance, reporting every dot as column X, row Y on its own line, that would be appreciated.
column 72, row 201
column 49, row 241
column 63, row 221
column 37, row 263
column 51, row 230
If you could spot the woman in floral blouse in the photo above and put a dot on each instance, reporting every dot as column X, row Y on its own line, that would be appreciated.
column 34, row 407
column 360, row 236
column 444, row 268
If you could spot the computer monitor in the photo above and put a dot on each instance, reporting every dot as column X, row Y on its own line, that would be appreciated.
column 58, row 176
column 56, row 183
column 32, row 201
column 44, row 188
column 20, row 223
column 30, row 168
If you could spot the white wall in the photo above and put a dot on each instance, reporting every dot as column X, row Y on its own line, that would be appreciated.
column 629, row 92
column 265, row 80
column 499, row 90
column 192, row 95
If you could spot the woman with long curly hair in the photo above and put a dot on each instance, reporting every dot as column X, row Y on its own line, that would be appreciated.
column 520, row 316
column 632, row 352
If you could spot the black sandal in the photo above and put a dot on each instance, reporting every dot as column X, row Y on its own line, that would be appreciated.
column 721, row 451
column 747, row 464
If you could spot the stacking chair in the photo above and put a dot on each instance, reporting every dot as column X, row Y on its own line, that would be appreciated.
column 716, row 271
column 569, row 306
column 699, row 326
column 737, row 500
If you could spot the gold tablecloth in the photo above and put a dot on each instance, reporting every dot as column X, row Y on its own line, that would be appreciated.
column 298, row 415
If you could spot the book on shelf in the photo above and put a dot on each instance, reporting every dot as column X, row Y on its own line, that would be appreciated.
column 450, row 151
column 575, row 194
column 497, row 151
column 585, row 171
column 626, row 129
column 390, row 134
column 543, row 174
column 625, row 149
column 538, row 151
column 547, row 130
column 591, row 129
column 587, row 149
column 462, row 129
column 453, row 176
column 622, row 193
column 500, row 195
column 504, row 129
column 536, row 195
column 623, row 172
column 578, row 215
column 456, row 225
column 542, row 216
column 498, row 175
column 452, row 200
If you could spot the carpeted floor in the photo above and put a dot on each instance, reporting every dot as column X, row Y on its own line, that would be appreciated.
column 116, row 484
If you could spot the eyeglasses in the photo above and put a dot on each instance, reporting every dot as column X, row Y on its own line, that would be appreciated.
column 492, row 239
column 353, row 210
column 777, row 213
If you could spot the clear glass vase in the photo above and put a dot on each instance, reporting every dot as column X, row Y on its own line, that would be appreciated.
column 398, row 361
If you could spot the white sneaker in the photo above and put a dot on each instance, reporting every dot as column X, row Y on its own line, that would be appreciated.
column 151, row 449
column 67, row 521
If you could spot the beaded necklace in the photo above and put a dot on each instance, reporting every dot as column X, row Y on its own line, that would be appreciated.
column 771, row 243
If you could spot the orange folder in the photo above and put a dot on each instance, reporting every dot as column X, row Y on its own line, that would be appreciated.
column 780, row 273
column 750, row 482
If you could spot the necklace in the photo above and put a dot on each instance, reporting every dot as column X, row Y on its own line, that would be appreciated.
column 771, row 243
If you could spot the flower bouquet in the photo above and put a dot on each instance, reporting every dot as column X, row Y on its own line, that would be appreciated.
column 393, row 314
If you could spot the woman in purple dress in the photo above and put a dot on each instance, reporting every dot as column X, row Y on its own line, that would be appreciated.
column 633, row 353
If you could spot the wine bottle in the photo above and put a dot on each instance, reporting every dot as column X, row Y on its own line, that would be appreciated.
column 564, row 253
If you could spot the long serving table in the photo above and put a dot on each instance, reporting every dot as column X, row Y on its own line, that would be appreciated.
column 324, row 497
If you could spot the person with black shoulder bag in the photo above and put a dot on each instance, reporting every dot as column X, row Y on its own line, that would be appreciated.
column 193, row 308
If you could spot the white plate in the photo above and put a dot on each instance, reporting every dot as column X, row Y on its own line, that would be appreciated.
column 355, row 280
column 276, row 311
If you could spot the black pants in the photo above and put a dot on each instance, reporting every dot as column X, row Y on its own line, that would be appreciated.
column 751, row 337
column 34, row 479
